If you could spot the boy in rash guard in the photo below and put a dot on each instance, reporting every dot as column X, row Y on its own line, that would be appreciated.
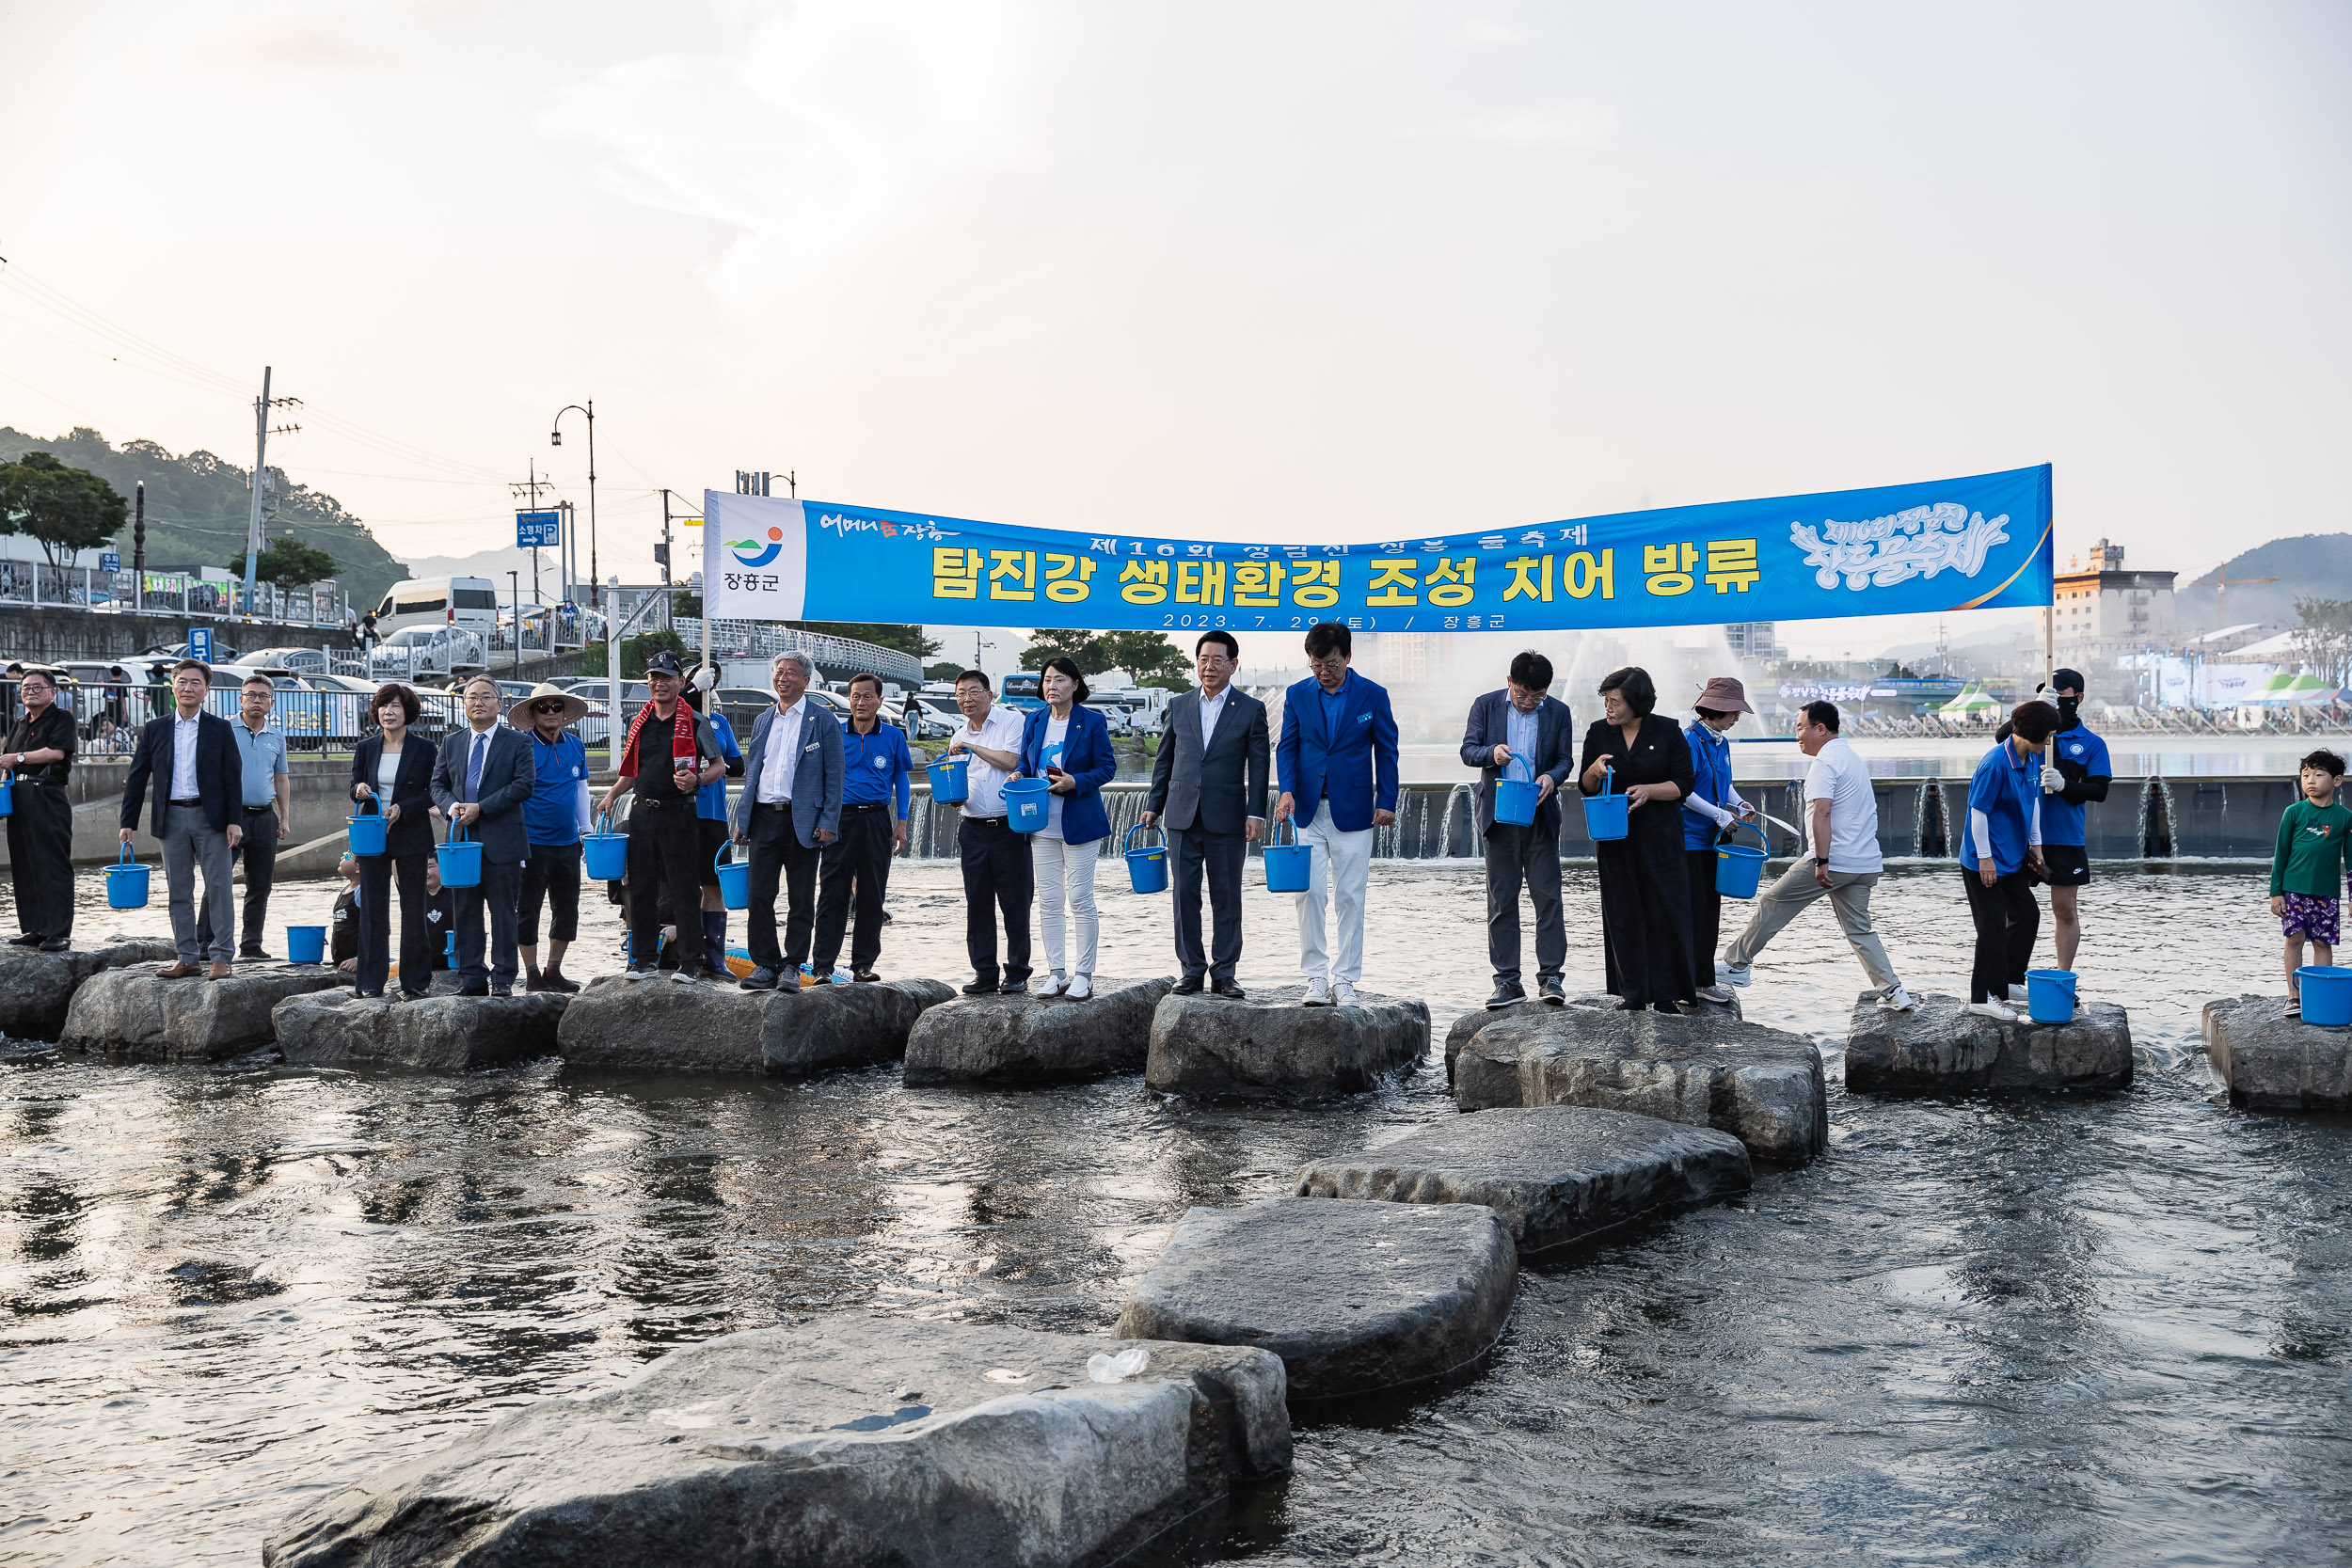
column 554, row 818
column 2001, row 838
column 2307, row 869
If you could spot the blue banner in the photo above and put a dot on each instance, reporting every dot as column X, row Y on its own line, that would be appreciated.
column 1981, row 543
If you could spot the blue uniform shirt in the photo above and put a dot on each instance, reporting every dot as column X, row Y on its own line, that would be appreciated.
column 1335, row 706
column 710, row 803
column 2007, row 792
column 551, row 814
column 2062, row 820
column 874, row 767
column 1710, row 780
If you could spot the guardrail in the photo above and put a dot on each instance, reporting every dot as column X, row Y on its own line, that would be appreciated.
column 839, row 656
column 39, row 584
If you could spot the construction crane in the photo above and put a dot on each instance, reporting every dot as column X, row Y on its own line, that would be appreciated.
column 2221, row 592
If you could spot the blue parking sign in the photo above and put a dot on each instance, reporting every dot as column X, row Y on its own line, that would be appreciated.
column 109, row 562
column 200, row 644
column 538, row 530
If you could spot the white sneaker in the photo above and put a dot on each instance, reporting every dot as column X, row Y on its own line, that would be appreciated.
column 1343, row 994
column 1731, row 974
column 681, row 977
column 1055, row 985
column 634, row 973
column 1713, row 994
column 1897, row 1001
column 1080, row 988
column 1996, row 1011
column 1318, row 994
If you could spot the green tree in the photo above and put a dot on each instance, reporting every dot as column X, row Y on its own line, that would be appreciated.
column 2323, row 637
column 905, row 639
column 68, row 510
column 1084, row 648
column 595, row 662
column 1148, row 657
column 287, row 564
column 945, row 669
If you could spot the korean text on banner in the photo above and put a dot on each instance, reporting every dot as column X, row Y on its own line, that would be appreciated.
column 1961, row 543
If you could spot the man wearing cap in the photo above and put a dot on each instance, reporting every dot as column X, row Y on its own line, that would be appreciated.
column 480, row 781
column 1522, row 732
column 2081, row 774
column 670, row 754
column 553, row 819
column 1707, row 813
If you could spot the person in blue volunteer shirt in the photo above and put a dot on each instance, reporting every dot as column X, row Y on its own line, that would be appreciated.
column 1068, row 745
column 710, row 814
column 2000, row 839
column 2080, row 774
column 554, row 818
column 1709, row 813
column 856, row 866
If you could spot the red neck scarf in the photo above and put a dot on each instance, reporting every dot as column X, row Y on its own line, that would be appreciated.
column 681, row 737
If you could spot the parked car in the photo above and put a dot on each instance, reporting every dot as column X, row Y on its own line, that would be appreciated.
column 302, row 662
column 415, row 652
column 742, row 705
column 1116, row 716
column 222, row 652
column 930, row 718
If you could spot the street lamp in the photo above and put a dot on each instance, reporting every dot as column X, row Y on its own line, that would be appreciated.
column 555, row 438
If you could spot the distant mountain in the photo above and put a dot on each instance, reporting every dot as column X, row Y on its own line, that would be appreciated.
column 198, row 507
column 2311, row 567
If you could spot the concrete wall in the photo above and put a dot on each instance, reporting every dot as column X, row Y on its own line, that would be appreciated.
column 54, row 634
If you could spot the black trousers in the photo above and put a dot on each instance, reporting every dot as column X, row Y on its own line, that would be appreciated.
column 40, row 860
column 664, row 847
column 258, row 848
column 778, row 858
column 376, row 923
column 855, row 865
column 1197, row 854
column 1706, row 916
column 2008, row 918
column 996, row 875
column 552, row 876
column 497, row 893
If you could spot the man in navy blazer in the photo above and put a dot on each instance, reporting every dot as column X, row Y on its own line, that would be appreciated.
column 1336, row 766
column 1521, row 733
column 199, row 811
column 483, row 776
column 790, row 809
column 1208, row 785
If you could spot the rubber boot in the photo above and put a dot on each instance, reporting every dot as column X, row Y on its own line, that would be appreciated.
column 715, row 939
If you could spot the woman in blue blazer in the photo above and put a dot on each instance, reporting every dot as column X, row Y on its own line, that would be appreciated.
column 1070, row 747
column 395, row 769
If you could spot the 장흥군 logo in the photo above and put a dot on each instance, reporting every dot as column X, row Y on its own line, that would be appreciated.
column 749, row 552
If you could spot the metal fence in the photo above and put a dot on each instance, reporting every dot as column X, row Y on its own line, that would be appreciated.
column 841, row 656
column 37, row 583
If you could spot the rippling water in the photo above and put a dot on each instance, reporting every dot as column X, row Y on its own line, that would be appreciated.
column 2109, row 1330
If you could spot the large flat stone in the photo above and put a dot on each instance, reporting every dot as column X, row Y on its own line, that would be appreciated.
column 35, row 988
column 2273, row 1063
column 1555, row 1174
column 1272, row 1045
column 1470, row 1025
column 130, row 1015
column 656, row 1027
column 1939, row 1047
column 848, row 1440
column 1764, row 1087
column 1356, row 1298
column 1036, row 1039
column 437, row 1033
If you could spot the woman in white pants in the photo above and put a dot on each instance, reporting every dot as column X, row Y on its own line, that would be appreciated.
column 1070, row 747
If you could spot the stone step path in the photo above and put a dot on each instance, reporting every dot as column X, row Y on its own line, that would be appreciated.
column 848, row 1439
column 1470, row 1025
column 1273, row 1046
column 1940, row 1047
column 656, row 1027
column 1764, row 1087
column 128, row 1015
column 1357, row 1298
column 440, row 1032
column 1036, row 1039
column 2271, row 1061
column 37, row 988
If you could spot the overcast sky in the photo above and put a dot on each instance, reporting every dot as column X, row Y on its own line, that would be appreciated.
column 1296, row 272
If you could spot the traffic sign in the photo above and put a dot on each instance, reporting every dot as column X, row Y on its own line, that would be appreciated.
column 200, row 644
column 539, row 530
column 109, row 562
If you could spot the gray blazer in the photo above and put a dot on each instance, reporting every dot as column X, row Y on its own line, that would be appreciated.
column 1219, row 787
column 507, row 775
column 816, row 776
column 1555, row 755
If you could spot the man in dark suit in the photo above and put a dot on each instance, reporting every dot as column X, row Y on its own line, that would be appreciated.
column 200, row 794
column 480, row 781
column 1522, row 732
column 1208, row 784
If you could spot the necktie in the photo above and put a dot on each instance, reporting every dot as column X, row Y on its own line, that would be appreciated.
column 473, row 768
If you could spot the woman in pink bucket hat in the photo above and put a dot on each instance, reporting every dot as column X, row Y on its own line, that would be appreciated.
column 1707, row 813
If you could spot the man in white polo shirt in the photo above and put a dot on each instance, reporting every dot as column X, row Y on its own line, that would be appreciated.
column 996, row 871
column 1843, row 812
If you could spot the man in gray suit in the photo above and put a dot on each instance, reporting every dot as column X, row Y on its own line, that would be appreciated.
column 480, row 779
column 1209, row 783
column 1531, row 735
column 789, row 811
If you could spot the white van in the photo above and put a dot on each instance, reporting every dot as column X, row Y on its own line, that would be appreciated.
column 471, row 603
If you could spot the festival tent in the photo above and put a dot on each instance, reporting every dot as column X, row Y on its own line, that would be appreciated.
column 1972, row 703
column 2286, row 690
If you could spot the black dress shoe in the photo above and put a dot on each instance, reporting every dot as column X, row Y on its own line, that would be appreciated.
column 479, row 987
column 1228, row 990
column 501, row 990
column 1549, row 992
column 57, row 945
column 1191, row 985
column 30, row 938
column 1506, row 992
column 865, row 976
column 980, row 987
column 252, row 952
column 1015, row 987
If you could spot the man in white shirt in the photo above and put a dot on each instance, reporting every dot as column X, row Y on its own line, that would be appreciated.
column 1845, row 865
column 996, row 869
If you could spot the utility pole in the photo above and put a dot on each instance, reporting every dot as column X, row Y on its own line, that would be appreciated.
column 555, row 438
column 138, row 552
column 531, row 485
column 515, row 593
column 664, row 556
column 262, row 433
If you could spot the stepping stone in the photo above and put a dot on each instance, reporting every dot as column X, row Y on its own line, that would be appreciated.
column 846, row 1439
column 35, row 988
column 1356, row 1298
column 131, row 1016
column 1940, row 1047
column 1272, row 1045
column 1036, row 1039
column 2274, row 1063
column 1555, row 1174
column 1470, row 1025
column 439, row 1033
column 658, row 1026
column 1763, row 1087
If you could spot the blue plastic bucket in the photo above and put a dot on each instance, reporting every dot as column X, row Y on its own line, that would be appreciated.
column 461, row 862
column 1739, row 868
column 2327, row 994
column 1147, row 868
column 449, row 947
column 126, row 883
column 1604, row 813
column 367, row 831
column 607, row 852
column 949, row 785
column 1024, row 804
column 735, row 880
column 1514, row 798
column 8, row 805
column 2050, row 995
column 1287, row 865
column 306, row 944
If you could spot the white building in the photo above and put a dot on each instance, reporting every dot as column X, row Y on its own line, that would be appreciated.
column 2105, row 612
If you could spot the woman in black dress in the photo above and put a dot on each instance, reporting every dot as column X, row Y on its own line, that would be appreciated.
column 1644, row 884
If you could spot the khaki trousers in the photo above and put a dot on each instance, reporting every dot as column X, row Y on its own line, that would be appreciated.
column 1848, row 894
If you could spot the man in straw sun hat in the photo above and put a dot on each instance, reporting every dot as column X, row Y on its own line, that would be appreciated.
column 553, row 819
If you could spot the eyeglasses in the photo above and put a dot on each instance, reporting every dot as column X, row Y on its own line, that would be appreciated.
column 546, row 707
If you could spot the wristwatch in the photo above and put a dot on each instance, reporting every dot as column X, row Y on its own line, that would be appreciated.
column 1820, row 860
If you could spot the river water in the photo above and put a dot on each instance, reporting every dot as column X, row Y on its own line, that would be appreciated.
column 2102, row 1330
